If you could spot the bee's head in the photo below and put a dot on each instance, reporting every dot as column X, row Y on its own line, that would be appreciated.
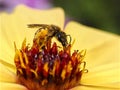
column 62, row 37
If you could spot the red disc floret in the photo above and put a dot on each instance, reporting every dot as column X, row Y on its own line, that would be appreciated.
column 48, row 65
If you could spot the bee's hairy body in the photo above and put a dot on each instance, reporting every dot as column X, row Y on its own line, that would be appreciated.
column 46, row 32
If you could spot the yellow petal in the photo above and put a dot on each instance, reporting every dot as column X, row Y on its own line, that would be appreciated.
column 103, row 63
column 51, row 16
column 104, row 75
column 92, row 87
column 6, row 75
column 6, row 50
column 14, row 27
column 11, row 86
column 103, row 59
column 87, row 37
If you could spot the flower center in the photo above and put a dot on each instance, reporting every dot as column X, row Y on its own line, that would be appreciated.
column 44, row 66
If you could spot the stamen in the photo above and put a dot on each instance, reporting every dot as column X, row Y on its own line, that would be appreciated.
column 35, row 73
column 45, row 68
column 63, row 73
column 21, row 59
column 26, row 58
column 44, row 82
column 85, row 70
column 20, row 71
column 83, row 52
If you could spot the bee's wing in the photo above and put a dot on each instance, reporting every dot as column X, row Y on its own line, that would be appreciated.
column 37, row 25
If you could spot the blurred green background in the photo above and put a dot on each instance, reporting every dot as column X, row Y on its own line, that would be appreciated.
column 102, row 14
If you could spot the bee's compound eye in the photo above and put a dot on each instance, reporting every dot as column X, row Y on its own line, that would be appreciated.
column 63, row 40
column 61, row 36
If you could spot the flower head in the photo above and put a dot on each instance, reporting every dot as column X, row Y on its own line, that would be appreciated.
column 102, row 51
column 45, row 66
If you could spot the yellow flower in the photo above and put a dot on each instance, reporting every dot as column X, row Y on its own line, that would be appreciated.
column 103, row 49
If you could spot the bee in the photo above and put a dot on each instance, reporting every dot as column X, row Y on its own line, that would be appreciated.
column 46, row 32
